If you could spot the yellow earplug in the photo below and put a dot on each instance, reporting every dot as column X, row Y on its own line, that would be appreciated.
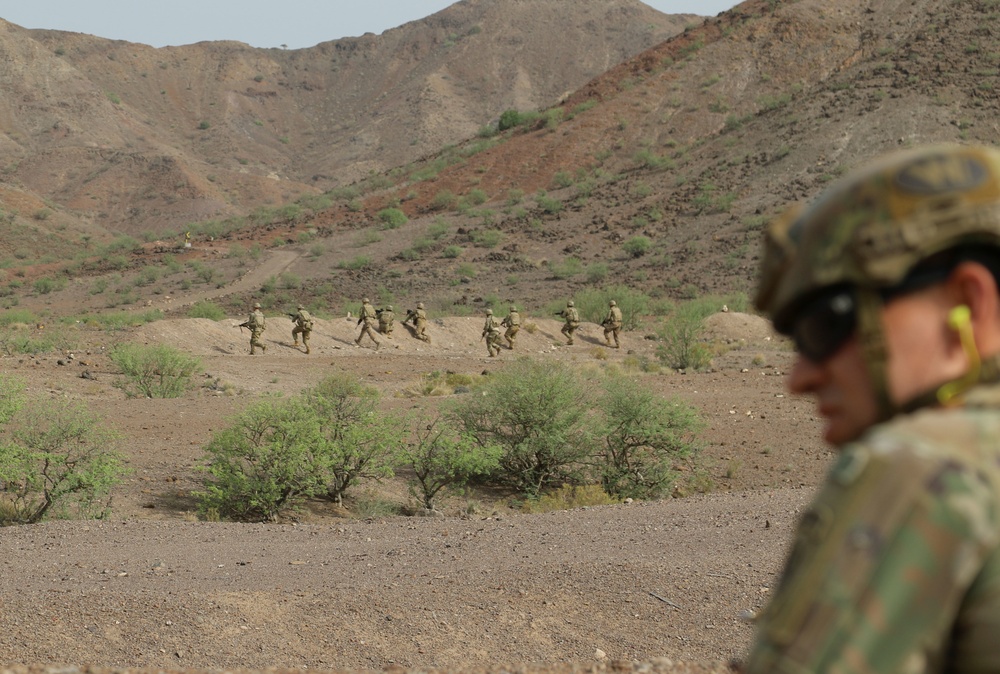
column 960, row 319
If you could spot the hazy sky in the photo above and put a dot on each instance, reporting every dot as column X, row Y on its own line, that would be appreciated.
column 259, row 23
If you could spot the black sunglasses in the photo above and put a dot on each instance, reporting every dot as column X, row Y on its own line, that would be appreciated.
column 825, row 323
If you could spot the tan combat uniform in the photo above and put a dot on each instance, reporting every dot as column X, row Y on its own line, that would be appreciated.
column 386, row 321
column 572, row 318
column 419, row 319
column 368, row 321
column 613, row 325
column 303, row 326
column 491, row 332
column 256, row 323
column 513, row 324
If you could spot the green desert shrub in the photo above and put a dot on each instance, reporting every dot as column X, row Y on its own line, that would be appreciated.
column 392, row 218
column 156, row 371
column 264, row 462
column 206, row 309
column 57, row 459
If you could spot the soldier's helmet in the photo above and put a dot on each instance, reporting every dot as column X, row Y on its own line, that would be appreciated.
column 613, row 303
column 420, row 305
column 256, row 305
column 513, row 308
column 872, row 230
column 366, row 301
column 570, row 303
column 489, row 312
column 389, row 307
column 301, row 307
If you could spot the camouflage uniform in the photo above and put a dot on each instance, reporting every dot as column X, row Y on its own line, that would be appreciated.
column 572, row 318
column 419, row 319
column 613, row 324
column 491, row 331
column 367, row 320
column 256, row 323
column 896, row 564
column 386, row 321
column 513, row 324
column 303, row 326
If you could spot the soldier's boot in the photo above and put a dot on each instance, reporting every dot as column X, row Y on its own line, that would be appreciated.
column 378, row 345
column 295, row 343
column 263, row 349
column 307, row 348
column 358, row 341
column 569, row 342
column 252, row 352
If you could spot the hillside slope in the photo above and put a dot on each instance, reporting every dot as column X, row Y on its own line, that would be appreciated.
column 137, row 139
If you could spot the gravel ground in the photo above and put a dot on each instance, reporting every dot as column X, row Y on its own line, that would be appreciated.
column 637, row 582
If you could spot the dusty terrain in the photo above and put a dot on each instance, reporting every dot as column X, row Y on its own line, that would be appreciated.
column 482, row 587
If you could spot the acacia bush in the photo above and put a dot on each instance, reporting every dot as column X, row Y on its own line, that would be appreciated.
column 356, row 442
column 444, row 459
column 57, row 459
column 681, row 345
column 643, row 438
column 263, row 462
column 551, row 431
column 538, row 415
column 156, row 371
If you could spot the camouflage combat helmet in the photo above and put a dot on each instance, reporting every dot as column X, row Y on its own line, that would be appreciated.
column 868, row 232
column 513, row 308
column 570, row 303
column 256, row 305
column 389, row 307
column 366, row 301
column 420, row 305
column 489, row 312
column 613, row 303
column 301, row 307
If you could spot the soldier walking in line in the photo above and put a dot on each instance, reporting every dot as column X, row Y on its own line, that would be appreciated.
column 303, row 326
column 386, row 321
column 418, row 318
column 612, row 324
column 512, row 321
column 491, row 333
column 572, row 318
column 368, row 322
column 256, row 323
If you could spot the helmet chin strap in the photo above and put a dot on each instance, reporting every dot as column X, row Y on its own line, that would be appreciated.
column 873, row 349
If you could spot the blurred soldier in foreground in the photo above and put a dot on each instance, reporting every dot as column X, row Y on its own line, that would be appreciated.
column 418, row 318
column 386, row 321
column 888, row 285
column 256, row 324
column 303, row 326
column 491, row 333
column 367, row 320
column 512, row 321
column 572, row 318
column 612, row 324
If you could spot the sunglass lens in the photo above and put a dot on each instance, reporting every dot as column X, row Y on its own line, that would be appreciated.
column 825, row 326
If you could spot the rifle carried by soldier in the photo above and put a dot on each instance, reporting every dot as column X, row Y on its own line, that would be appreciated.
column 244, row 324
